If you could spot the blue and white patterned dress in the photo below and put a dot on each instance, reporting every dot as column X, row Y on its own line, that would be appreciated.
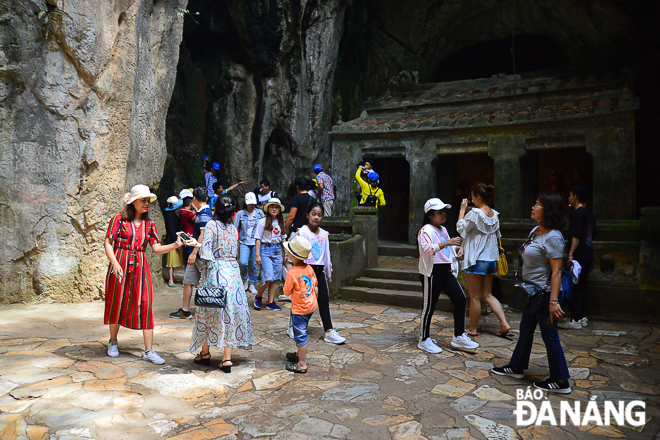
column 231, row 326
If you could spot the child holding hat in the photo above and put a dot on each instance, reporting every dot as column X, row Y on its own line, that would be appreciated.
column 300, row 285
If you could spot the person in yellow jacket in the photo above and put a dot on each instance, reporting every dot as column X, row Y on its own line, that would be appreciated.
column 372, row 195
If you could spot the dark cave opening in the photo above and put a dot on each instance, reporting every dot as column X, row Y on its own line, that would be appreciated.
column 532, row 53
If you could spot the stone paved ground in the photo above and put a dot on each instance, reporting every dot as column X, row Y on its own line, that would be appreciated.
column 56, row 382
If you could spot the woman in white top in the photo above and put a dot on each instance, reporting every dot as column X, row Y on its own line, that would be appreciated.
column 319, row 260
column 268, row 243
column 436, row 254
column 479, row 229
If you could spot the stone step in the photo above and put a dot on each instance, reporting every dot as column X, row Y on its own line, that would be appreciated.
column 401, row 298
column 398, row 250
column 389, row 284
column 394, row 274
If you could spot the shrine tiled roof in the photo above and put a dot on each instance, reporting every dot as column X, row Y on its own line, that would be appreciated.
column 493, row 101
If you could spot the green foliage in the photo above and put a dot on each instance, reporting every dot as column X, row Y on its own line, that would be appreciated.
column 183, row 12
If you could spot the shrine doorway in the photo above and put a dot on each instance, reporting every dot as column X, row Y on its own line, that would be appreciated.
column 393, row 218
column 455, row 175
column 554, row 170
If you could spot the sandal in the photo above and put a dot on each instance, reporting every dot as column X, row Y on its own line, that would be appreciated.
column 506, row 335
column 226, row 368
column 201, row 359
column 171, row 284
column 292, row 357
column 296, row 368
column 472, row 334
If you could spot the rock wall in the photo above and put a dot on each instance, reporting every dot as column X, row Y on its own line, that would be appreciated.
column 84, row 91
column 268, row 68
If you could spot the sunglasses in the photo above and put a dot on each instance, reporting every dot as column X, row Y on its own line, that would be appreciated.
column 521, row 250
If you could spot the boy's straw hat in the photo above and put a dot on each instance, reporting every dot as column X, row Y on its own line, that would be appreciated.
column 299, row 247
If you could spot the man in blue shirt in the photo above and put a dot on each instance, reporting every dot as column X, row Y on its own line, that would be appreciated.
column 193, row 270
column 211, row 179
column 218, row 190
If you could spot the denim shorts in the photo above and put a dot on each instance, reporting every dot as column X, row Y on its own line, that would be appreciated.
column 483, row 268
column 299, row 324
column 271, row 262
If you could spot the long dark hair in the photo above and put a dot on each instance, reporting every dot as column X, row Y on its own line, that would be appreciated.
column 555, row 211
column 269, row 221
column 427, row 217
column 224, row 209
column 129, row 213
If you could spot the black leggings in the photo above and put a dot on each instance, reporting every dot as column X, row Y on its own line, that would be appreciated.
column 442, row 280
column 323, row 298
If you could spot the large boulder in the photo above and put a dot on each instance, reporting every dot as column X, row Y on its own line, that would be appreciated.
column 84, row 91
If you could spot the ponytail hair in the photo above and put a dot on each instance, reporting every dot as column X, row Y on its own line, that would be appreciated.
column 484, row 191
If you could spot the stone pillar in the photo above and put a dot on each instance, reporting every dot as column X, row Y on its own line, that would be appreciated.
column 343, row 170
column 506, row 152
column 649, row 251
column 420, row 155
column 613, row 150
column 365, row 223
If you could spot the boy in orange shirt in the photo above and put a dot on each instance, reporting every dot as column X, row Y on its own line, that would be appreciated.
column 300, row 285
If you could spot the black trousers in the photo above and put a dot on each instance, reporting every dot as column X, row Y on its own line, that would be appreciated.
column 442, row 280
column 323, row 298
column 580, row 296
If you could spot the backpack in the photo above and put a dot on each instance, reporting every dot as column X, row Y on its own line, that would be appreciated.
column 371, row 199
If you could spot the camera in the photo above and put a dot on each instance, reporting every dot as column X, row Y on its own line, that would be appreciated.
column 469, row 199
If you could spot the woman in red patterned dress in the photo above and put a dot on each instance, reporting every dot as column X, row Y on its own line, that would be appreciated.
column 128, row 286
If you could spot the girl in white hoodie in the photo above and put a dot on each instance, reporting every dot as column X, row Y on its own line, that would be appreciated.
column 436, row 254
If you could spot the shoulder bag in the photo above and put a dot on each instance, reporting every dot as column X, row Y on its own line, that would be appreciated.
column 502, row 264
column 527, row 297
column 211, row 296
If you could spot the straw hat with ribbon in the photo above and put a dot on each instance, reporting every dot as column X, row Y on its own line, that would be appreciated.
column 273, row 201
column 299, row 247
column 138, row 192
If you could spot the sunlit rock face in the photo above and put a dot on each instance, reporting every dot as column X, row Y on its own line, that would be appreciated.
column 84, row 90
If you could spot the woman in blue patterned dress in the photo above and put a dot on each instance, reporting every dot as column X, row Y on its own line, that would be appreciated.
column 230, row 327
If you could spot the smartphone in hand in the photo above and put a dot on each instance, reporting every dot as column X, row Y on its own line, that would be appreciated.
column 184, row 236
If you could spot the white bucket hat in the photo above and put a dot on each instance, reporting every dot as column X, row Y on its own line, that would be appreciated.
column 139, row 192
column 250, row 199
column 273, row 201
column 435, row 204
column 299, row 247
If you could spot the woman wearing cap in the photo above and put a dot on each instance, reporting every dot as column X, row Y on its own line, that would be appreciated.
column 268, row 245
column 480, row 228
column 229, row 327
column 436, row 255
column 172, row 226
column 187, row 219
column 246, row 223
column 128, row 286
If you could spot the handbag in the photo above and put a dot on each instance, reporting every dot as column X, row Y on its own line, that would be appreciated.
column 211, row 296
column 502, row 264
column 528, row 297
column 214, row 297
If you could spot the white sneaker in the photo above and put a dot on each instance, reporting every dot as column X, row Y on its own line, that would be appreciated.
column 463, row 341
column 290, row 332
column 429, row 345
column 152, row 356
column 584, row 321
column 572, row 325
column 253, row 289
column 284, row 298
column 113, row 349
column 333, row 337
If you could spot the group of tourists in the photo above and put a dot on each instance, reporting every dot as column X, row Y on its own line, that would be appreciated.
column 209, row 242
